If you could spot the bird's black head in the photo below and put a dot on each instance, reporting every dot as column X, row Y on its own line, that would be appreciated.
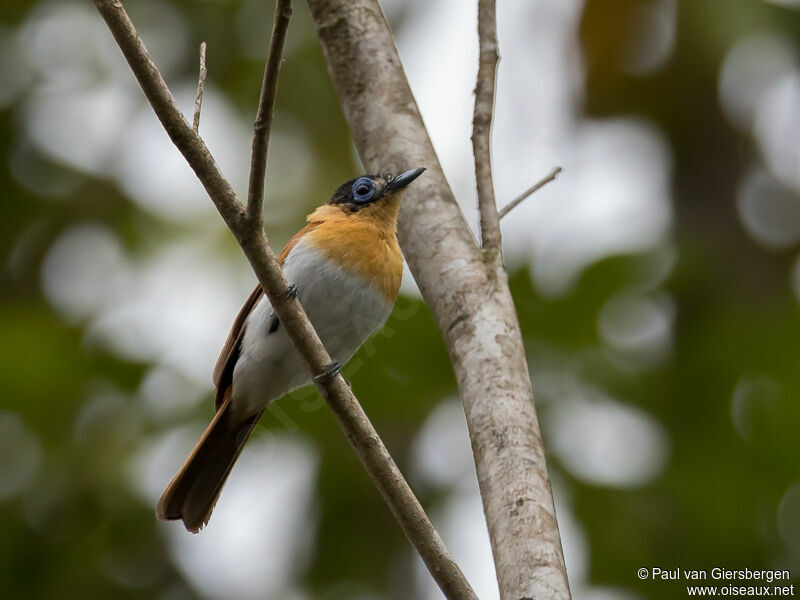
column 370, row 189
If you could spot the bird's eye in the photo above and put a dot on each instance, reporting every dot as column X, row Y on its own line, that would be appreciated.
column 363, row 189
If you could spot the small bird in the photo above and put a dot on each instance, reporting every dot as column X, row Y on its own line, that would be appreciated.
column 345, row 267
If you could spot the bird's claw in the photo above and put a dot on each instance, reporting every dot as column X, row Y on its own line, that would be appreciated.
column 330, row 371
column 291, row 292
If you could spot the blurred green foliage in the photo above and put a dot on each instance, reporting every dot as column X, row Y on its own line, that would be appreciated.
column 77, row 529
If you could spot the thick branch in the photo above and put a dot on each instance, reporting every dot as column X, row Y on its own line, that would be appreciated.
column 471, row 303
column 266, row 105
column 482, row 128
column 534, row 188
column 356, row 425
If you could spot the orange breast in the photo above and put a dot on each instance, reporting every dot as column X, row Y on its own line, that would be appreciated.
column 366, row 246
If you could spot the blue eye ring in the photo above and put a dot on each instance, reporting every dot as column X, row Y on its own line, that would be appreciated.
column 363, row 190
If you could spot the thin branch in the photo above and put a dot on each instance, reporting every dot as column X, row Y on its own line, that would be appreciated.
column 534, row 188
column 201, row 85
column 351, row 417
column 482, row 127
column 266, row 105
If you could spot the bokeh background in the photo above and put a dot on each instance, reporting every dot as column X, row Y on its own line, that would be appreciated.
column 657, row 282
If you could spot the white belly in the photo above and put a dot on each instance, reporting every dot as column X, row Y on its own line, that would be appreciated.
column 344, row 309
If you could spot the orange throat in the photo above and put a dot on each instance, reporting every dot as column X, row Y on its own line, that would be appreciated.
column 364, row 242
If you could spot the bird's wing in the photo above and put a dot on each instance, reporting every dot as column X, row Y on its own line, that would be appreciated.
column 223, row 371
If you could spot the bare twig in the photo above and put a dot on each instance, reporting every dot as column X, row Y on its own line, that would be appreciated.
column 482, row 128
column 201, row 86
column 180, row 132
column 351, row 417
column 266, row 105
column 534, row 188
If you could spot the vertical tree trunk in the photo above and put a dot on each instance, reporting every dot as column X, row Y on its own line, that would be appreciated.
column 468, row 296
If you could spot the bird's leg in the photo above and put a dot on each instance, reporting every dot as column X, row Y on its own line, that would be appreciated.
column 291, row 292
column 330, row 371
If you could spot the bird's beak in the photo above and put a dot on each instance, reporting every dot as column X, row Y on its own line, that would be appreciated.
column 402, row 180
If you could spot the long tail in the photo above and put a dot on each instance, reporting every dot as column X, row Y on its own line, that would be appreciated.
column 193, row 492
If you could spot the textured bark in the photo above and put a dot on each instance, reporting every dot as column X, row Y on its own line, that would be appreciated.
column 201, row 87
column 491, row 237
column 468, row 296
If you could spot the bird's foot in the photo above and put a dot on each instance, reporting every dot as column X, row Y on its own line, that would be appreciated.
column 330, row 371
column 291, row 292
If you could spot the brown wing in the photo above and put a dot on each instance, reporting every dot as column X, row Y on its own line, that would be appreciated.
column 223, row 371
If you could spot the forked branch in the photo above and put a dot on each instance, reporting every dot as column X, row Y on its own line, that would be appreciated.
column 356, row 425
column 468, row 296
